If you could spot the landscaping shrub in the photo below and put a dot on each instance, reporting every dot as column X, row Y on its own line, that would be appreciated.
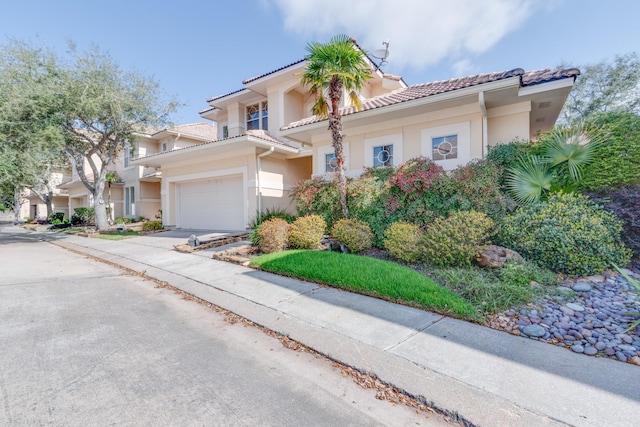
column 504, row 156
column 83, row 216
column 568, row 233
column 403, row 241
column 618, row 158
column 364, row 198
column 56, row 218
column 476, row 186
column 455, row 241
column 306, row 232
column 414, row 192
column 354, row 234
column 152, row 225
column 260, row 217
column 624, row 202
column 318, row 196
column 123, row 220
column 273, row 235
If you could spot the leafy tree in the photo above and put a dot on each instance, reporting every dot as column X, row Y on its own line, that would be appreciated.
column 103, row 107
column 332, row 68
column 31, row 145
column 94, row 105
column 605, row 87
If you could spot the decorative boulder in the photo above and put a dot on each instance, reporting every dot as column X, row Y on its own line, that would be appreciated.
column 495, row 256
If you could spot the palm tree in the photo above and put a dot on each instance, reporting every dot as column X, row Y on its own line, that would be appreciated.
column 331, row 69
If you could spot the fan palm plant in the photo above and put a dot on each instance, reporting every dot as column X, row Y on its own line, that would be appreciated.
column 566, row 152
column 332, row 68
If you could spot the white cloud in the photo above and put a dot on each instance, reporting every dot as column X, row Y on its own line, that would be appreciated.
column 421, row 32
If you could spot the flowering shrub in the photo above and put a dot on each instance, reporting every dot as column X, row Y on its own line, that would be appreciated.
column 273, row 235
column 355, row 235
column 568, row 234
column 403, row 241
column 414, row 192
column 456, row 240
column 306, row 232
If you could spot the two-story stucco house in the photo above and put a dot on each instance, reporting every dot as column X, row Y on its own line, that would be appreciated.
column 268, row 140
column 137, row 191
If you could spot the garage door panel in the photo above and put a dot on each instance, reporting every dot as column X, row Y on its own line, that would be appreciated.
column 214, row 204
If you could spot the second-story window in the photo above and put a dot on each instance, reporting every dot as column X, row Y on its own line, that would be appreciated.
column 257, row 116
column 127, row 155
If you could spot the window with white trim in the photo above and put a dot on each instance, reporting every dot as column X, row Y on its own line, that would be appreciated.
column 445, row 147
column 127, row 155
column 225, row 131
column 382, row 151
column 164, row 147
column 448, row 145
column 257, row 116
column 383, row 156
column 330, row 163
column 129, row 201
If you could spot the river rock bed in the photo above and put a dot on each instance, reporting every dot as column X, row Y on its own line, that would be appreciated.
column 588, row 316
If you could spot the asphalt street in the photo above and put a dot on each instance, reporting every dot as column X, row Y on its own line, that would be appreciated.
column 82, row 343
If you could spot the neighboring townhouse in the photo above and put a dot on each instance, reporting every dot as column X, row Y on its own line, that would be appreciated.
column 268, row 140
column 136, row 192
column 34, row 206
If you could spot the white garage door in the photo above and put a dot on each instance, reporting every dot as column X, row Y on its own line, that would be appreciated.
column 213, row 204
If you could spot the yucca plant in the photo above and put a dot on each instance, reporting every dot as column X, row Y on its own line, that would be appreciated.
column 566, row 152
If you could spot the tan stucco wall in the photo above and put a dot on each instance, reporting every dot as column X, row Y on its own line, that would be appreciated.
column 278, row 177
column 410, row 128
column 504, row 129
column 294, row 107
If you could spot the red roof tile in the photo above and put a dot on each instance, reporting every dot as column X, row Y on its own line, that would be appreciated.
column 434, row 88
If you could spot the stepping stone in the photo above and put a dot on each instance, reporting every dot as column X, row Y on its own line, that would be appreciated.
column 534, row 331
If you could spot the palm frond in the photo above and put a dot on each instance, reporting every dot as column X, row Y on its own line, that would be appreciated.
column 529, row 180
column 571, row 146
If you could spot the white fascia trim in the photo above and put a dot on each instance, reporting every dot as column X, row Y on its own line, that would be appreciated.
column 544, row 87
column 228, row 97
column 285, row 70
column 458, row 93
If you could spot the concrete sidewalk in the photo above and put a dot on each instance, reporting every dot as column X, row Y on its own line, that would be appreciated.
column 486, row 377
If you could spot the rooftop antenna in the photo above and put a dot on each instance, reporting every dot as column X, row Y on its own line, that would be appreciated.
column 382, row 54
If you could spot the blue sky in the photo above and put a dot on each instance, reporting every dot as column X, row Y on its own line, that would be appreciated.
column 198, row 49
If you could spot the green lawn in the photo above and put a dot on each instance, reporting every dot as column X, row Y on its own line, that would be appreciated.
column 382, row 279
column 117, row 236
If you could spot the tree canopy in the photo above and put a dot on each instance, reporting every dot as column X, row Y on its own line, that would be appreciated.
column 81, row 104
column 604, row 87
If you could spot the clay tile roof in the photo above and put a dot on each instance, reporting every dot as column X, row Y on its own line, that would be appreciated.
column 434, row 88
column 546, row 75
column 249, row 80
column 200, row 130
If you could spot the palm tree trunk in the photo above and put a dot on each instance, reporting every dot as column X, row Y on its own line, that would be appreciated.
column 335, row 125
